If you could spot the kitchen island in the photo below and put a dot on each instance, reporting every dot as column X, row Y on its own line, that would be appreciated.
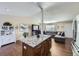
column 33, row 46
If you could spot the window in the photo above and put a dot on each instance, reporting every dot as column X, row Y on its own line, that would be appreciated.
column 50, row 27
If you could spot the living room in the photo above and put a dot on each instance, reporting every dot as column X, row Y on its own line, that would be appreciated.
column 37, row 29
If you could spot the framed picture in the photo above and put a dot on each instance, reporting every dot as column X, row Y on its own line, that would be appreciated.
column 24, row 28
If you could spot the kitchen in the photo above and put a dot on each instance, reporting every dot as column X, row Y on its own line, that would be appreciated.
column 37, row 27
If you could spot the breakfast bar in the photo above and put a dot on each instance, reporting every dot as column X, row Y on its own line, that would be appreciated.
column 33, row 46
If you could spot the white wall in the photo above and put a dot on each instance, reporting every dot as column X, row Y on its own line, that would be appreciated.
column 68, row 30
column 66, row 27
column 16, row 21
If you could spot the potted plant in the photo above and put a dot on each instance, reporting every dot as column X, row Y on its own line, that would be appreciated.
column 25, row 34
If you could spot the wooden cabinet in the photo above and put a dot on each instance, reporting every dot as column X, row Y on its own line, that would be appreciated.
column 37, row 50
column 46, row 47
column 43, row 49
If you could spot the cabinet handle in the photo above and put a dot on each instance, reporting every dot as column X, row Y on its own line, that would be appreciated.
column 25, row 47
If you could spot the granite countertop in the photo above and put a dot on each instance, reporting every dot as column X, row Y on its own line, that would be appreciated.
column 33, row 40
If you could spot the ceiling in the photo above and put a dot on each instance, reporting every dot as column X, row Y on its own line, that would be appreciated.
column 61, row 11
column 18, row 8
column 21, row 8
column 53, row 11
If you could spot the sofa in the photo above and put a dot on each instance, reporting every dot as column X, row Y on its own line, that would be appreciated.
column 60, row 37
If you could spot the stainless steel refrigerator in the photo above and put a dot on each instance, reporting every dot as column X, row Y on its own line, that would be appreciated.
column 75, row 43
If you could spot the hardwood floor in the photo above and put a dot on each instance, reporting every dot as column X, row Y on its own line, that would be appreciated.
column 15, row 49
column 59, row 49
